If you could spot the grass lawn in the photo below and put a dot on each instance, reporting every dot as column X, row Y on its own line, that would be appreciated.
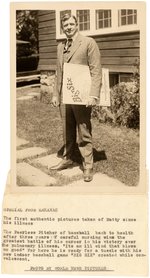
column 116, row 149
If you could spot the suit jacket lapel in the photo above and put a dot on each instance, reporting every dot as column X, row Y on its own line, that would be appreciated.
column 74, row 47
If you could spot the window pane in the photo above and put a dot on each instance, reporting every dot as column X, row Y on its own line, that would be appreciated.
column 123, row 12
column 123, row 21
column 83, row 16
column 109, row 13
column 62, row 13
column 80, row 18
column 88, row 26
column 100, row 24
column 81, row 27
column 100, row 13
column 105, row 14
column 85, row 26
column 105, row 23
column 130, row 11
column 109, row 23
column 130, row 19
column 135, row 19
column 103, row 19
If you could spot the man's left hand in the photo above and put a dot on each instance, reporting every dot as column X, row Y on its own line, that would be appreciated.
column 91, row 102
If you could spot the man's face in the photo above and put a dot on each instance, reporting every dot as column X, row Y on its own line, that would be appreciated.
column 70, row 27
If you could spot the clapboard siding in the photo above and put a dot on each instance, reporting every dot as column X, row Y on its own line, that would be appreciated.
column 47, row 40
column 118, row 60
column 47, row 49
column 49, row 55
column 45, row 12
column 118, row 37
column 49, row 23
column 119, row 51
column 46, row 17
column 120, row 68
column 47, row 62
column 46, row 43
column 47, row 30
column 118, row 44
column 47, row 37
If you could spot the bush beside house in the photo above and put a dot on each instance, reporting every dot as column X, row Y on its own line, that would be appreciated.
column 125, row 104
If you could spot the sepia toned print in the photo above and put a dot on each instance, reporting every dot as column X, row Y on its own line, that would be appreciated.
column 117, row 127
column 76, row 196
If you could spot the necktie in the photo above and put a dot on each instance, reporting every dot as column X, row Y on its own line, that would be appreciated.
column 68, row 45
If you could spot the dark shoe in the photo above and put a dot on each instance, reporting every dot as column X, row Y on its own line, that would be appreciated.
column 64, row 164
column 88, row 175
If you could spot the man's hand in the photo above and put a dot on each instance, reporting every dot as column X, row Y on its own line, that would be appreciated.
column 91, row 102
column 55, row 101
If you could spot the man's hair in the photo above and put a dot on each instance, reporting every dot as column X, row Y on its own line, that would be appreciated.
column 65, row 17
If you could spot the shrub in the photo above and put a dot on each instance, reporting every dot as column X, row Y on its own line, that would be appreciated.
column 124, row 110
column 125, row 104
column 27, row 63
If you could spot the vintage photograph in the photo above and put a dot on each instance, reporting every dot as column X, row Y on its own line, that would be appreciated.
column 78, row 117
column 75, row 202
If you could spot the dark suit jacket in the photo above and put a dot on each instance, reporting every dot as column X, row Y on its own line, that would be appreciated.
column 84, row 51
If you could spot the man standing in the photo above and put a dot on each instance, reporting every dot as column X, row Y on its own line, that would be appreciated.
column 77, row 50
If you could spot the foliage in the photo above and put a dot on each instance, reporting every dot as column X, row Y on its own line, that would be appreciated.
column 125, row 104
column 28, row 63
column 27, row 29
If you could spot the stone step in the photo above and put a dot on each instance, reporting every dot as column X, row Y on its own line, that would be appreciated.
column 71, row 172
column 48, row 161
column 31, row 176
column 52, row 160
column 30, row 152
column 25, row 97
column 34, row 94
column 21, row 142
column 99, row 180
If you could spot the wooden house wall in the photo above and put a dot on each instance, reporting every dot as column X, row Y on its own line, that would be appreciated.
column 119, row 52
column 47, row 40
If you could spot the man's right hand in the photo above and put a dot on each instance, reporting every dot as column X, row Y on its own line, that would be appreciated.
column 55, row 101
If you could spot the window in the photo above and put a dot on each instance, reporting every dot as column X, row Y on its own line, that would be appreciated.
column 127, row 17
column 62, row 13
column 103, row 19
column 113, row 79
column 125, row 77
column 83, row 18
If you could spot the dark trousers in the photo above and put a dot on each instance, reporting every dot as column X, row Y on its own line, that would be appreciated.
column 77, row 117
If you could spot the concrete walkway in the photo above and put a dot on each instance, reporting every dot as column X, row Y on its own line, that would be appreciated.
column 35, row 172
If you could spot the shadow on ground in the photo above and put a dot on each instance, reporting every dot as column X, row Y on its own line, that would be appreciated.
column 97, row 155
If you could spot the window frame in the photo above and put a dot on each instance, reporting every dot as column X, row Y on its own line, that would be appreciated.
column 109, row 19
column 83, row 21
column 115, row 28
column 126, row 16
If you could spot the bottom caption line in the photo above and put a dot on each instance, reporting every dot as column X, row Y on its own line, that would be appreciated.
column 68, row 269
